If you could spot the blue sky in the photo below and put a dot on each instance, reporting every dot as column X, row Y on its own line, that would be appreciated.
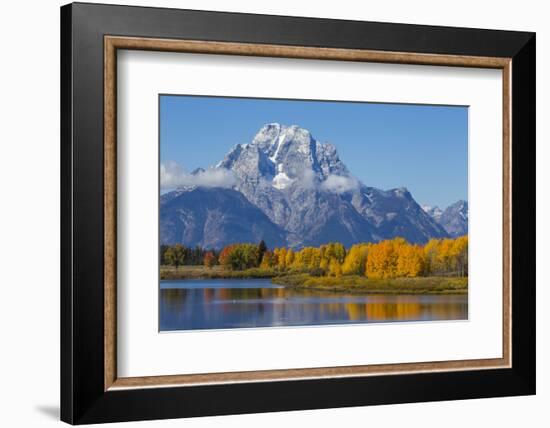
column 421, row 147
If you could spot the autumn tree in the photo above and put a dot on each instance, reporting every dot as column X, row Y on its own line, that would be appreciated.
column 445, row 256
column 333, row 249
column 386, row 259
column 268, row 260
column 382, row 259
column 175, row 255
column 225, row 256
column 163, row 249
column 239, row 256
column 298, row 260
column 306, row 258
column 289, row 258
column 329, row 251
column 460, row 255
column 209, row 259
column 315, row 260
column 356, row 258
column 280, row 253
column 410, row 260
column 324, row 264
column 334, row 268
column 431, row 259
column 249, row 256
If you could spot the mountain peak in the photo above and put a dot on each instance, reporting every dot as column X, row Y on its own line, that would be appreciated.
column 284, row 155
column 277, row 127
column 454, row 218
column 460, row 204
column 402, row 192
column 305, row 189
column 198, row 171
column 272, row 136
column 433, row 211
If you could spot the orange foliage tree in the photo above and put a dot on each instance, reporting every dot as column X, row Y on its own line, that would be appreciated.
column 382, row 259
column 410, row 260
column 225, row 255
column 209, row 259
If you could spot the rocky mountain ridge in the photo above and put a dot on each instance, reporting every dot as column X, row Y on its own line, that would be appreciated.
column 304, row 190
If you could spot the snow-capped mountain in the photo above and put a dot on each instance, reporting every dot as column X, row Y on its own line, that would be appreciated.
column 304, row 188
column 454, row 219
column 434, row 212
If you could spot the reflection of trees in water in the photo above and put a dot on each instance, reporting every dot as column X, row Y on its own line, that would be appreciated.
column 377, row 308
column 404, row 308
column 249, row 307
column 333, row 310
column 173, row 299
column 394, row 311
column 243, row 293
column 356, row 311
column 209, row 294
column 387, row 308
column 450, row 311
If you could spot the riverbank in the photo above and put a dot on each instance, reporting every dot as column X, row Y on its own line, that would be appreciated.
column 350, row 284
column 360, row 284
column 215, row 272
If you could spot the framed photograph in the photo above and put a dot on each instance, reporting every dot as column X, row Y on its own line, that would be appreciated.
column 266, row 213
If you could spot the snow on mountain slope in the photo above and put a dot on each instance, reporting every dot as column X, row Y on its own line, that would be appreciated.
column 305, row 189
column 454, row 219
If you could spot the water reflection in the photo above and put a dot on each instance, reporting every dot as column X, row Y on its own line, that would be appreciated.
column 256, row 303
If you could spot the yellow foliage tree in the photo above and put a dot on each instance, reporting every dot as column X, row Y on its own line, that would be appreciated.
column 445, row 256
column 281, row 257
column 297, row 262
column 460, row 255
column 334, row 268
column 385, row 259
column 289, row 258
column 382, row 260
column 356, row 258
column 324, row 264
column 410, row 260
column 268, row 260
column 315, row 261
column 431, row 250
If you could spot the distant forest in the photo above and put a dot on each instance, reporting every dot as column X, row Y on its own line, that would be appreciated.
column 385, row 259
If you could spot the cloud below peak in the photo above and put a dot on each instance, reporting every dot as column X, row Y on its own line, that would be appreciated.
column 173, row 176
column 339, row 184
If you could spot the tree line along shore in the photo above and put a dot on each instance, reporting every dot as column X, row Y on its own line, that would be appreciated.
column 439, row 266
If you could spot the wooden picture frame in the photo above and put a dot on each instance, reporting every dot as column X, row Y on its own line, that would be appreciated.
column 91, row 390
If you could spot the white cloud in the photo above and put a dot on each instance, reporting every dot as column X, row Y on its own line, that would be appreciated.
column 173, row 176
column 307, row 179
column 339, row 184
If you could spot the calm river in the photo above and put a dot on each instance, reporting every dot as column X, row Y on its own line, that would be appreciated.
column 232, row 303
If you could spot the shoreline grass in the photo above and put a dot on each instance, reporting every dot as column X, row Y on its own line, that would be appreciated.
column 303, row 280
column 359, row 284
column 215, row 272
